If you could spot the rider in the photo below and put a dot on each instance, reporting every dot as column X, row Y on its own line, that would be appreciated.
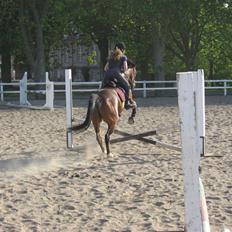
column 114, row 68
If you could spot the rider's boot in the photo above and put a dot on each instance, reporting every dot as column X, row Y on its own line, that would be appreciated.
column 132, row 102
column 129, row 103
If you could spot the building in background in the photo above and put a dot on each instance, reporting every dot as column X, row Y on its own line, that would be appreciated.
column 83, row 60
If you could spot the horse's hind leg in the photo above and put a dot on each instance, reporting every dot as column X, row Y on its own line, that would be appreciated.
column 107, row 137
column 96, row 123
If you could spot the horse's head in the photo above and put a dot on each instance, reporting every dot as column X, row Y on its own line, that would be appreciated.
column 131, row 73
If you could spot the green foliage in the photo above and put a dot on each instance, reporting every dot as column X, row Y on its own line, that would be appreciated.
column 9, row 29
column 91, row 58
column 196, row 34
column 216, row 44
column 54, row 24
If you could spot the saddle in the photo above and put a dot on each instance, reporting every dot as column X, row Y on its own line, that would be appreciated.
column 120, row 91
column 121, row 94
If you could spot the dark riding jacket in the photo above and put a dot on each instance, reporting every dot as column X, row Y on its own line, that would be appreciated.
column 113, row 76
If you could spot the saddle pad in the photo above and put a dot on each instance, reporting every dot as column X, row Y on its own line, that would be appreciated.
column 121, row 94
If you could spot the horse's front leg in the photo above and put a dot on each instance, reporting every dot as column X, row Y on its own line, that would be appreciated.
column 133, row 113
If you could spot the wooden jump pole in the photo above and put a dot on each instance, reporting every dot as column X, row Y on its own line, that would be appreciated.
column 191, row 100
column 69, row 105
column 141, row 138
column 130, row 136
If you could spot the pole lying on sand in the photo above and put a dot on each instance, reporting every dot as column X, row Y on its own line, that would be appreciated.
column 69, row 105
column 132, row 137
column 141, row 138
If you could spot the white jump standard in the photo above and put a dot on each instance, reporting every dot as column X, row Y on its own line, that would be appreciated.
column 23, row 94
column 69, row 105
column 191, row 99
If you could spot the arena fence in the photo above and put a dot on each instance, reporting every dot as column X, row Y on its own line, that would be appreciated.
column 143, row 88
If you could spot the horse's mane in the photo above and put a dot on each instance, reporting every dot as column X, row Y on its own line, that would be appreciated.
column 130, row 63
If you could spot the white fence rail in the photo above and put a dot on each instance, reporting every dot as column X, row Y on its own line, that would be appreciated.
column 85, row 87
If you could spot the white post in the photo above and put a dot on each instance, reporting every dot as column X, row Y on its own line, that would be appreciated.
column 2, row 92
column 49, row 93
column 225, row 88
column 190, row 94
column 23, row 90
column 69, row 105
column 144, row 89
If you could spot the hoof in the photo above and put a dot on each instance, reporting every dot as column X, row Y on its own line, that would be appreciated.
column 131, row 120
column 110, row 155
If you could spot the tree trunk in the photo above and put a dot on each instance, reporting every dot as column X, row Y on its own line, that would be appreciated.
column 103, row 46
column 33, row 40
column 189, row 60
column 6, row 66
column 211, row 66
column 144, row 70
column 39, row 69
column 158, row 59
column 190, row 65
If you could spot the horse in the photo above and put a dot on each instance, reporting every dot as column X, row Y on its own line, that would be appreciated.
column 107, row 106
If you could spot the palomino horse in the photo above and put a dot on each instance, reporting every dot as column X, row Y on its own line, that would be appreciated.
column 106, row 106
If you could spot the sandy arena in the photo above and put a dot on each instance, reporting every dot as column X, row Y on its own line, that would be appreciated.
column 45, row 187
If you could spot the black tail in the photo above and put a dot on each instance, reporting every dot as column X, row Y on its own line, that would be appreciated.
column 85, row 125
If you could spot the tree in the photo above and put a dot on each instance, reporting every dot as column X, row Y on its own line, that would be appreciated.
column 32, row 14
column 42, row 25
column 96, row 21
column 138, row 29
column 216, row 43
column 183, row 27
column 9, row 36
column 131, row 21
